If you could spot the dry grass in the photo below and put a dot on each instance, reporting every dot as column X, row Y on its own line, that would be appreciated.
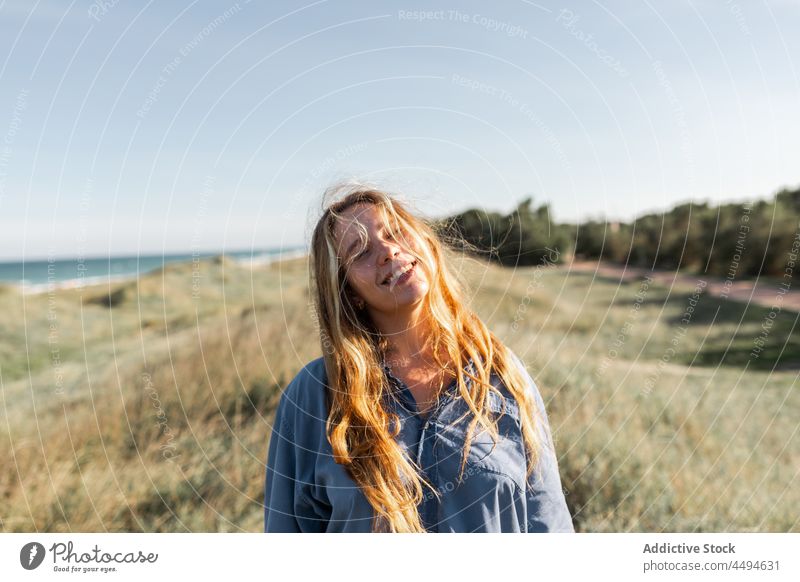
column 160, row 415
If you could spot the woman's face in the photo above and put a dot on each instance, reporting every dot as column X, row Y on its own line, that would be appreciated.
column 381, row 270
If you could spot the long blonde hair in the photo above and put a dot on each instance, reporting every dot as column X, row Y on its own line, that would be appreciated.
column 361, row 431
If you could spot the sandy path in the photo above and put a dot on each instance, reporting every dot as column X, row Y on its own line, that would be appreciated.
column 762, row 292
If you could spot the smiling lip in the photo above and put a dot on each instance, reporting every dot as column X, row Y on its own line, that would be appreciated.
column 404, row 277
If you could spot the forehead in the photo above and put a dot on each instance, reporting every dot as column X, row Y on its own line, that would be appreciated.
column 351, row 222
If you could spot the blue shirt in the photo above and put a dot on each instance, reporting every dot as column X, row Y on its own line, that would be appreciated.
column 307, row 491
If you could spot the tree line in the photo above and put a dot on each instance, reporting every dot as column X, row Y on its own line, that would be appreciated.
column 752, row 238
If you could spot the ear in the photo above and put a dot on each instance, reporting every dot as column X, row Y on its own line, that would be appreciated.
column 353, row 296
column 355, row 299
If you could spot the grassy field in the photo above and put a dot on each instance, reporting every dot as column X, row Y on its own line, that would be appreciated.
column 147, row 406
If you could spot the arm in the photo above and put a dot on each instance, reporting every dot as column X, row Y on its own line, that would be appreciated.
column 547, row 506
column 287, row 508
column 547, row 509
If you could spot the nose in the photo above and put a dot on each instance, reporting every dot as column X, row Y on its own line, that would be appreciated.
column 389, row 250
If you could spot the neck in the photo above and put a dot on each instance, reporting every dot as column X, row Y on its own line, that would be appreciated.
column 407, row 337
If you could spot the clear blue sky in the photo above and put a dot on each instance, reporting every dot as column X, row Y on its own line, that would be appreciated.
column 174, row 126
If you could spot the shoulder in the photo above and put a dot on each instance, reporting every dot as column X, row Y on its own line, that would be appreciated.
column 306, row 393
column 542, row 418
column 530, row 383
column 517, row 362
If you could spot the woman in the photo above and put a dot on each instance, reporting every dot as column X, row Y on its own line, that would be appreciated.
column 382, row 433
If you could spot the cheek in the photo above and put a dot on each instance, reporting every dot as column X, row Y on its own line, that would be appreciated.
column 362, row 282
column 423, row 271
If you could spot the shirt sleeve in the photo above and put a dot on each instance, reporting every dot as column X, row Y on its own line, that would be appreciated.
column 547, row 509
column 289, row 476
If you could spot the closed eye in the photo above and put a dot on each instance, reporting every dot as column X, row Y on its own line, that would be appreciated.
column 390, row 235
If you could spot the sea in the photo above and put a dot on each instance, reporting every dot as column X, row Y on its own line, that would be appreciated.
column 37, row 276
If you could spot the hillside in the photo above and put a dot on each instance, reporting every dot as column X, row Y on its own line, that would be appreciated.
column 157, row 414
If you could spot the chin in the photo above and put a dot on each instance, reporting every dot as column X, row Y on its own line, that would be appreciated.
column 407, row 299
column 414, row 298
